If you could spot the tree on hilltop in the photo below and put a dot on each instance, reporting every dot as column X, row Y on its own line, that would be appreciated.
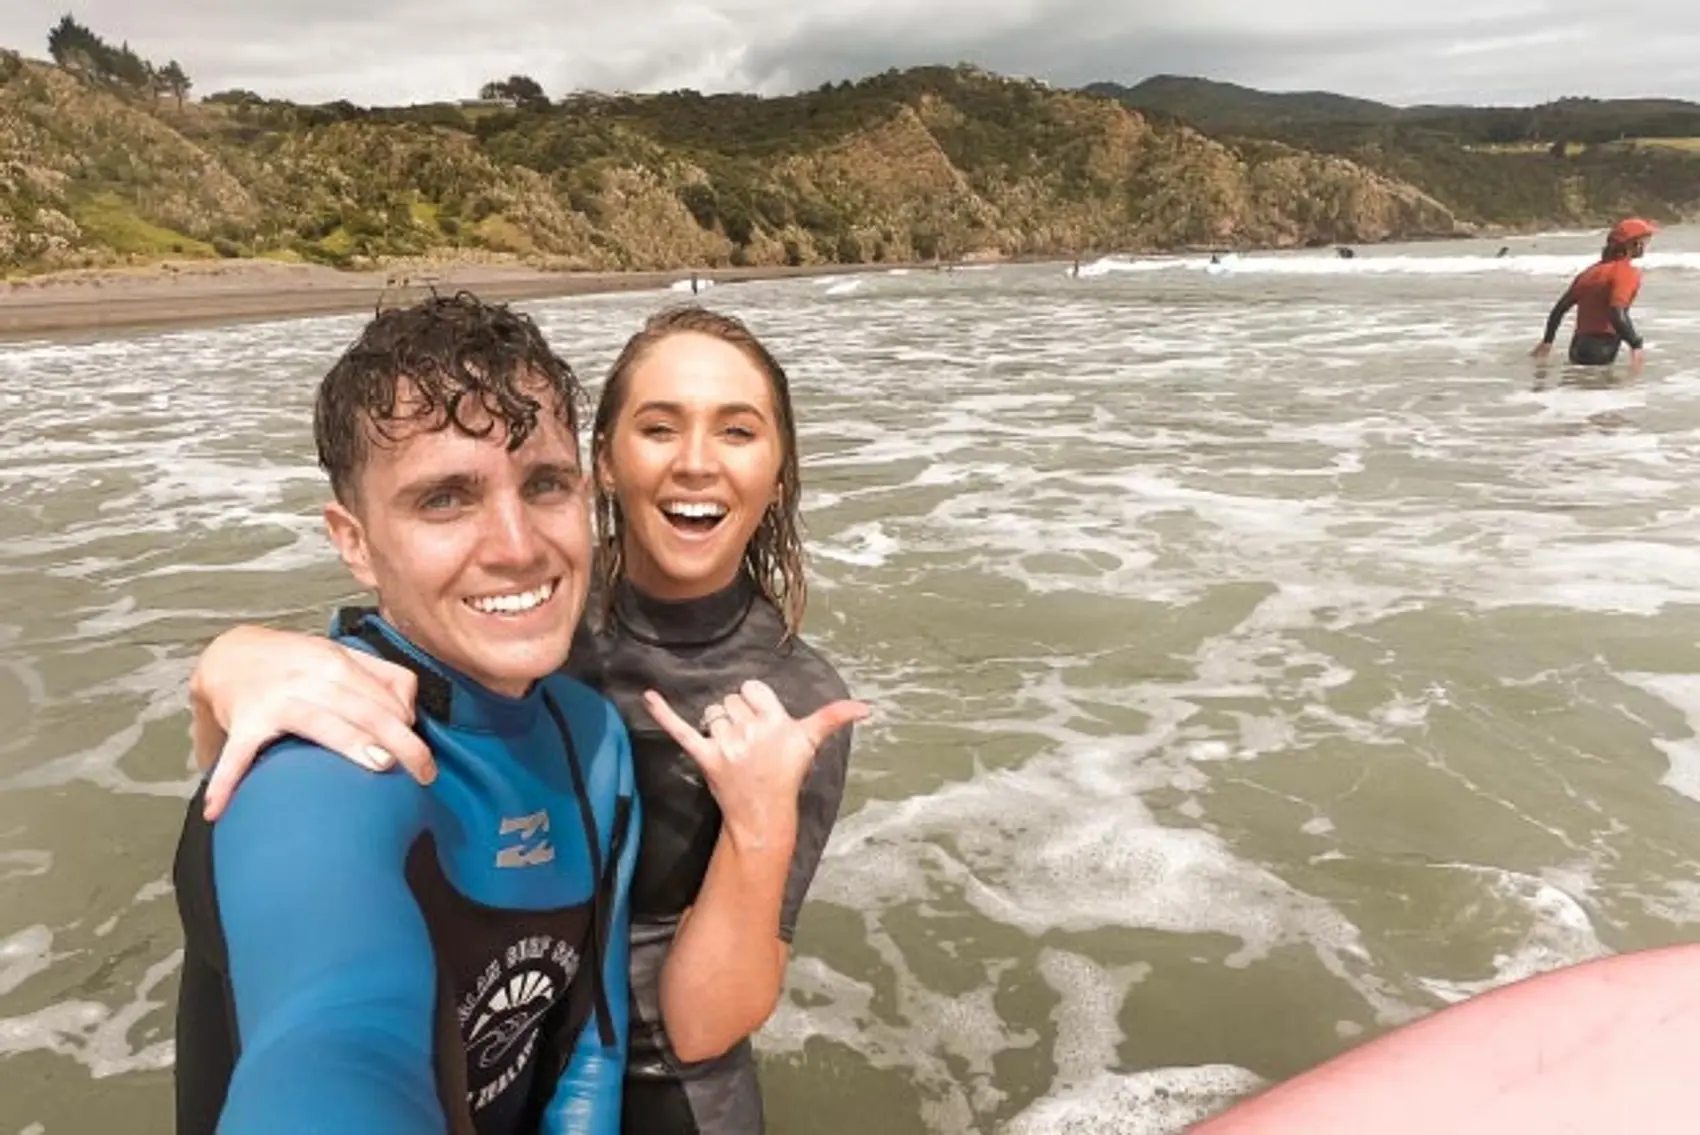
column 74, row 46
column 126, row 67
column 525, row 90
column 515, row 90
column 175, row 81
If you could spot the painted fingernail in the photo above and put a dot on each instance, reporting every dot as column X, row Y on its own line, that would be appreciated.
column 376, row 757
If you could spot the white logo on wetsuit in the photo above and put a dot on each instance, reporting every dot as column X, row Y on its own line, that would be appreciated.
column 499, row 1018
column 534, row 847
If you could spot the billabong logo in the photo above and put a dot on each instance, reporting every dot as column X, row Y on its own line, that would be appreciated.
column 534, row 847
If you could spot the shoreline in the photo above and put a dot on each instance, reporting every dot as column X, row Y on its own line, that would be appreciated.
column 175, row 295
column 96, row 303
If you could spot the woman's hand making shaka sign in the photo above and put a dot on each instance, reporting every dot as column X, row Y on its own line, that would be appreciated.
column 755, row 756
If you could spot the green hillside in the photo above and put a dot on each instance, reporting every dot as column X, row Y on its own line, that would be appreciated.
column 912, row 165
column 1575, row 161
column 106, row 159
column 1214, row 105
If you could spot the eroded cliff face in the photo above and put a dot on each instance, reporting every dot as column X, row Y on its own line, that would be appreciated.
column 913, row 166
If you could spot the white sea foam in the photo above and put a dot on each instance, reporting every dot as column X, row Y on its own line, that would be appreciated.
column 1064, row 844
column 1088, row 1034
column 1682, row 691
column 866, row 545
column 24, row 955
column 945, row 1044
column 95, row 1035
column 1368, row 263
column 1159, row 1101
column 23, row 864
column 1558, row 932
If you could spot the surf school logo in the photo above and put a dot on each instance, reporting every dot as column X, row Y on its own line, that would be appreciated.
column 499, row 1018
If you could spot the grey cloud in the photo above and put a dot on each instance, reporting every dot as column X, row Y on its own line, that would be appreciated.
column 1649, row 46
column 388, row 51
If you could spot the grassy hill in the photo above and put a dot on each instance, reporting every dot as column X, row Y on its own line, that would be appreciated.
column 931, row 162
column 1213, row 105
column 1228, row 108
column 909, row 165
column 1571, row 162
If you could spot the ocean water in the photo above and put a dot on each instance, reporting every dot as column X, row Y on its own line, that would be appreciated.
column 1264, row 655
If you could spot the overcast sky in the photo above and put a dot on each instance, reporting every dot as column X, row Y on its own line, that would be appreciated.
column 377, row 52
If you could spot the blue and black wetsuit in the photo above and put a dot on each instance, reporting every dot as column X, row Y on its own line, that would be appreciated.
column 367, row 955
column 696, row 652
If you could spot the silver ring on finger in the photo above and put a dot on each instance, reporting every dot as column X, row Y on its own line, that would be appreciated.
column 713, row 713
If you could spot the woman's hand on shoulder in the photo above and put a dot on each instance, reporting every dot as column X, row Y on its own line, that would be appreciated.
column 253, row 685
column 755, row 756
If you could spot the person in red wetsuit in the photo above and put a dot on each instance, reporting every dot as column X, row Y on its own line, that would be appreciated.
column 1602, row 295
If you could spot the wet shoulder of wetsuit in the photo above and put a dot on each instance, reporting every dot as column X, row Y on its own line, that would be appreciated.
column 364, row 954
column 696, row 653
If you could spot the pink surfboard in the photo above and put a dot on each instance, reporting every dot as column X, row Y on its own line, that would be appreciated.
column 1608, row 1047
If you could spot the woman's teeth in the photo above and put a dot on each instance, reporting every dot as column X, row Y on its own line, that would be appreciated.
column 513, row 604
column 694, row 510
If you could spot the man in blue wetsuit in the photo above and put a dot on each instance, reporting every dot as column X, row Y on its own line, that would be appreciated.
column 367, row 955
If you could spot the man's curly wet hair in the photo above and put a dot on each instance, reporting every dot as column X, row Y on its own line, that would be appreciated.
column 448, row 361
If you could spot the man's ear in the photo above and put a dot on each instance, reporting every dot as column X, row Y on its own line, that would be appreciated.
column 349, row 536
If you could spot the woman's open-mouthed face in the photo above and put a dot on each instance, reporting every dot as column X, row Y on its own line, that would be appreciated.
column 694, row 459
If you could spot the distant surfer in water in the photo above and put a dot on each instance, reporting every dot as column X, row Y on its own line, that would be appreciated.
column 1602, row 295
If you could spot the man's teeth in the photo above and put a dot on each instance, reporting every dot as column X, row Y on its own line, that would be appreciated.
column 513, row 604
column 695, row 510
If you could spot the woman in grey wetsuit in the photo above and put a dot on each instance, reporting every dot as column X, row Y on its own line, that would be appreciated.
column 699, row 596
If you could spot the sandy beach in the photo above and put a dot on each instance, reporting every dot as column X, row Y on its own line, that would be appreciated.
column 203, row 293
